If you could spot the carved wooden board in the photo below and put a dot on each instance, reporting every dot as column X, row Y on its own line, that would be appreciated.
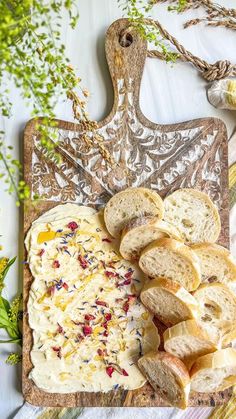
column 161, row 157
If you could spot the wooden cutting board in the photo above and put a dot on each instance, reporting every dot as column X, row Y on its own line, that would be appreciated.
column 161, row 157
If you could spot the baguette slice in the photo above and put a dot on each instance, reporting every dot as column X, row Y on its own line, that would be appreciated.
column 140, row 232
column 129, row 204
column 168, row 376
column 171, row 259
column 217, row 312
column 169, row 301
column 187, row 341
column 216, row 262
column 214, row 372
column 194, row 214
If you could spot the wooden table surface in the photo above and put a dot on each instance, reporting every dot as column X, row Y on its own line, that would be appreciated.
column 169, row 94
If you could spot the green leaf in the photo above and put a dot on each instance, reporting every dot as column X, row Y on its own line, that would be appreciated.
column 5, row 271
column 17, row 340
column 4, row 303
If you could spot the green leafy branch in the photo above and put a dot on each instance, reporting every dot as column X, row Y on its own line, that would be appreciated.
column 33, row 57
column 10, row 312
column 138, row 12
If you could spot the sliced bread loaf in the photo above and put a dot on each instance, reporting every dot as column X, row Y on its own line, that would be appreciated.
column 187, row 341
column 169, row 301
column 141, row 231
column 217, row 264
column 168, row 376
column 214, row 372
column 217, row 305
column 171, row 259
column 129, row 204
column 194, row 214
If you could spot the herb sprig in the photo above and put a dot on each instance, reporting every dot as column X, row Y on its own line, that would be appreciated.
column 10, row 312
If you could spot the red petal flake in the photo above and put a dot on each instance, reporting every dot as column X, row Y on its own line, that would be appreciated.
column 128, row 274
column 106, row 240
column 100, row 352
column 131, row 298
column 41, row 252
column 124, row 373
column 105, row 333
column 57, row 349
column 65, row 285
column 72, row 225
column 107, row 316
column 101, row 303
column 104, row 325
column 87, row 330
column 56, row 264
column 89, row 317
column 60, row 328
column 83, row 262
column 109, row 371
column 127, row 281
column 126, row 306
column 51, row 290
column 110, row 274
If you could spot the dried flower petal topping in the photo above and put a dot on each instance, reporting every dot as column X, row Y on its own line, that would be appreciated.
column 87, row 330
column 109, row 371
column 110, row 274
column 124, row 372
column 126, row 307
column 72, row 225
column 101, row 303
column 83, row 262
column 56, row 264
column 60, row 329
column 107, row 316
column 57, row 349
column 41, row 252
column 89, row 317
column 65, row 285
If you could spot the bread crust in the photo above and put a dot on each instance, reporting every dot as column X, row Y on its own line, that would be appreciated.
column 177, row 291
column 217, row 360
column 140, row 225
column 149, row 194
column 182, row 250
column 192, row 329
column 221, row 251
column 176, row 367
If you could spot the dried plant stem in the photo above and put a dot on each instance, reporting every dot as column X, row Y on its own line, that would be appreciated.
column 216, row 14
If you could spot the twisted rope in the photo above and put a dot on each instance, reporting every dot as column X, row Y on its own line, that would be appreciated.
column 210, row 72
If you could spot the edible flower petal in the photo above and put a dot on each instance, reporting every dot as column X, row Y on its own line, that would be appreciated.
column 72, row 225
column 56, row 264
column 126, row 307
column 83, row 262
column 65, row 285
column 124, row 372
column 87, row 330
column 57, row 349
column 101, row 303
column 107, row 316
column 41, row 252
column 110, row 274
column 89, row 317
column 109, row 371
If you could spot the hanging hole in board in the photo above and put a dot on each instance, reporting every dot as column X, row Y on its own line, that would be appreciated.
column 125, row 39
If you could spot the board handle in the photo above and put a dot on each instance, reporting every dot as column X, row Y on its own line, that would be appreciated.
column 126, row 53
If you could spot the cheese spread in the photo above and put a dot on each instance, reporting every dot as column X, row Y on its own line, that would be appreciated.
column 89, row 326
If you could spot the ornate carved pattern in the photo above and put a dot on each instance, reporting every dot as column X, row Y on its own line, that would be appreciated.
column 163, row 160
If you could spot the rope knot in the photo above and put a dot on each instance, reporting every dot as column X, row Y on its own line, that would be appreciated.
column 218, row 70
